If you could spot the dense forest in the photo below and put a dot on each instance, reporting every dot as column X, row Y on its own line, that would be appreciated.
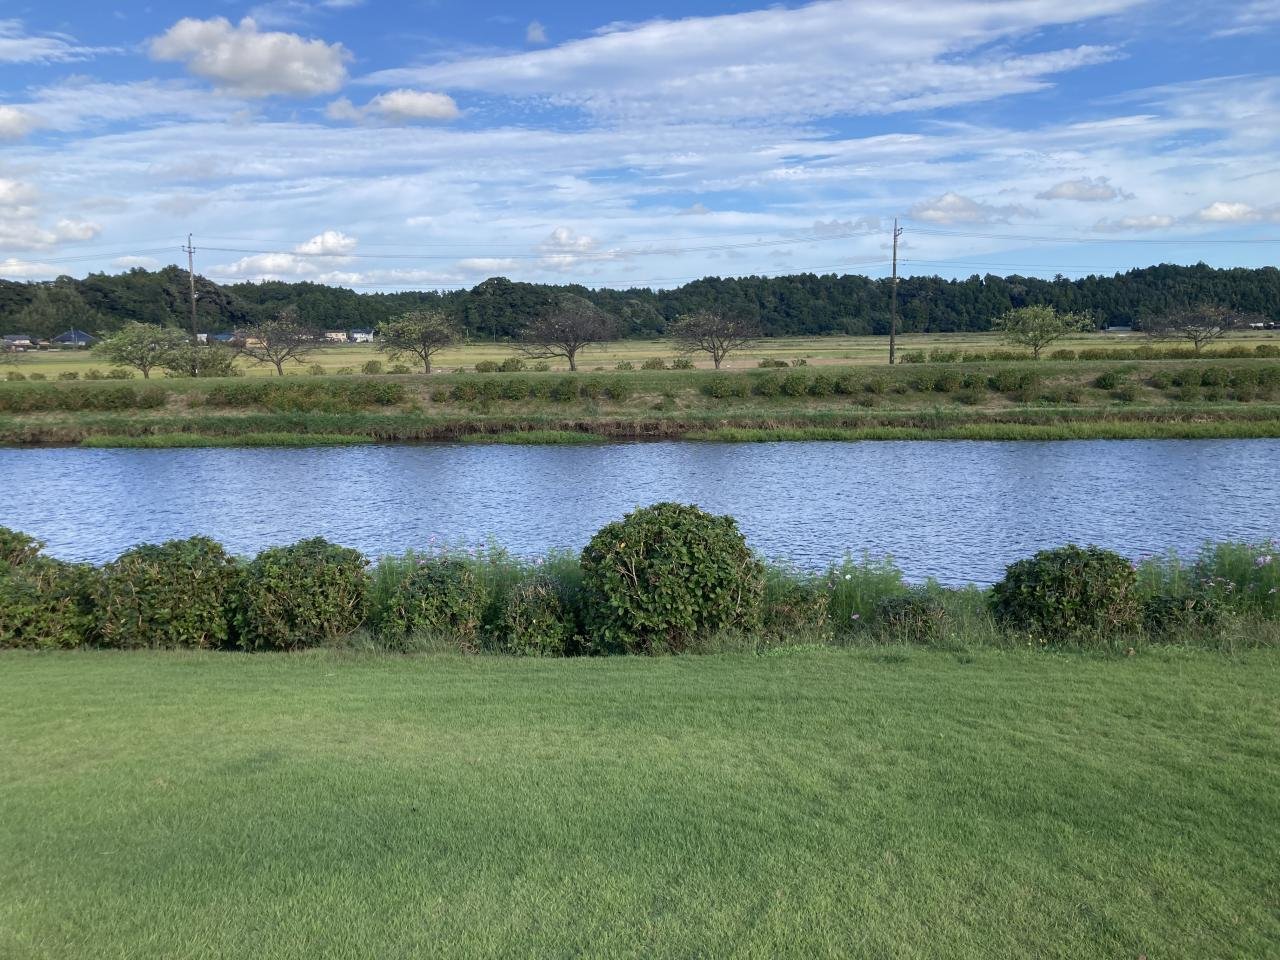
column 802, row 304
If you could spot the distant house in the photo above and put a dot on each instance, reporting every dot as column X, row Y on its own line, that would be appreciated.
column 222, row 337
column 1119, row 328
column 335, row 336
column 74, row 339
column 18, row 341
column 362, row 336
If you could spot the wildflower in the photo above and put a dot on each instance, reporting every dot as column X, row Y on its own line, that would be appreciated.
column 1263, row 560
column 856, row 617
column 848, row 576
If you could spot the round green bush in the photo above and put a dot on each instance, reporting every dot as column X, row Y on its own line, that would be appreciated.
column 533, row 621
column 46, row 603
column 798, row 606
column 435, row 597
column 1069, row 592
column 171, row 595
column 768, row 386
column 302, row 595
column 795, row 384
column 667, row 575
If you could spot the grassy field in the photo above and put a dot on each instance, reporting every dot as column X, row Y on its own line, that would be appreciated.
column 881, row 802
column 814, row 350
column 993, row 400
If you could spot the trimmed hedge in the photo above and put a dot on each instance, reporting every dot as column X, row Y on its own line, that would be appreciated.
column 1070, row 592
column 435, row 597
column 45, row 603
column 667, row 575
column 303, row 595
column 175, row 594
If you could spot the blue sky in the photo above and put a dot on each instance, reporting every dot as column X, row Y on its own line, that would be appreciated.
column 432, row 143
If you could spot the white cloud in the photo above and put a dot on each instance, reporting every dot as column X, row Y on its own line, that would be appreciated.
column 839, row 228
column 17, row 46
column 407, row 105
column 14, row 269
column 309, row 259
column 1151, row 221
column 1085, row 190
column 15, row 123
column 535, row 33
column 16, row 195
column 954, row 208
column 129, row 263
column 251, row 62
column 824, row 59
column 1221, row 211
column 330, row 243
column 1252, row 17
column 24, row 232
column 396, row 106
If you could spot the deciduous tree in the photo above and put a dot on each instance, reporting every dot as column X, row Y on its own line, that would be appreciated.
column 278, row 341
column 1199, row 324
column 419, row 333
column 142, row 346
column 714, row 332
column 1038, row 326
column 563, row 331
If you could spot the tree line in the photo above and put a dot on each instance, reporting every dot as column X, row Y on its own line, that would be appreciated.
column 502, row 309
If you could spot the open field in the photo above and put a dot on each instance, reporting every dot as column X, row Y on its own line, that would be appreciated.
column 814, row 350
column 837, row 803
column 1045, row 400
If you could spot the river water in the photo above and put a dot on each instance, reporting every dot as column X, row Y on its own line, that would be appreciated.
column 958, row 511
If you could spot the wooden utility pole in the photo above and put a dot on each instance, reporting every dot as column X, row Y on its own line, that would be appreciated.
column 893, row 302
column 191, row 278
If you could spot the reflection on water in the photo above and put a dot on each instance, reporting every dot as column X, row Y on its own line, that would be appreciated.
column 959, row 511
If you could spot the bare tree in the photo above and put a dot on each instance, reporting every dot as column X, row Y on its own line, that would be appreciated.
column 278, row 341
column 572, row 324
column 716, row 332
column 1200, row 324
column 419, row 333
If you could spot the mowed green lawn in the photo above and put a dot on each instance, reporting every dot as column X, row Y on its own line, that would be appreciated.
column 821, row 803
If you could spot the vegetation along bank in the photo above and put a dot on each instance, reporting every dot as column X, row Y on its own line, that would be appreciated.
column 1213, row 396
column 665, row 579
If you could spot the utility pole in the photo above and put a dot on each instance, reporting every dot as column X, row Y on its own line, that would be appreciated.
column 893, row 303
column 191, row 277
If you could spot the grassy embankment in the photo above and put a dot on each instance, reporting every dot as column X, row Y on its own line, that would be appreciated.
column 1005, row 400
column 809, row 803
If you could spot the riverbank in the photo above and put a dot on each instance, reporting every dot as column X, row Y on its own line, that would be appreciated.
column 807, row 803
column 1047, row 400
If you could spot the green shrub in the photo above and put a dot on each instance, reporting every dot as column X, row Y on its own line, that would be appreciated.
column 1062, row 355
column 876, row 385
column 15, row 376
column 1161, row 380
column 799, row 362
column 1168, row 614
column 540, row 366
column 654, row 363
column 970, row 397
column 316, row 370
column 1214, row 377
column 400, row 369
column 822, row 386
column 723, row 385
column 514, row 389
column 1267, row 350
column 371, row 367
column 487, row 366
column 619, row 389
column 69, row 375
column 795, row 385
column 511, row 365
column 848, row 384
column 564, row 390
column 534, row 621
column 948, row 382
column 624, row 365
column 17, row 548
column 171, row 595
column 46, row 603
column 466, row 390
column 1069, row 592
column 439, row 597
column 592, row 388
column 1241, row 577
column 768, row 386
column 302, row 595
column 914, row 617
column 769, row 362
column 439, row 395
column 1013, row 381
column 37, row 376
column 682, row 363
column 490, row 389
column 344, row 371
column 666, row 575
column 911, row 356
column 1125, row 393
column 1109, row 380
column 937, row 355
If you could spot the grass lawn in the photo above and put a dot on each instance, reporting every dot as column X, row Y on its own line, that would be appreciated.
column 840, row 350
column 822, row 803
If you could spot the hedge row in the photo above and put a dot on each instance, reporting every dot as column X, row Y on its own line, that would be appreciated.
column 1237, row 352
column 105, row 397
column 332, row 396
column 666, row 578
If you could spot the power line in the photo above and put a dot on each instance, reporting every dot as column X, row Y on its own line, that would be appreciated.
column 934, row 232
